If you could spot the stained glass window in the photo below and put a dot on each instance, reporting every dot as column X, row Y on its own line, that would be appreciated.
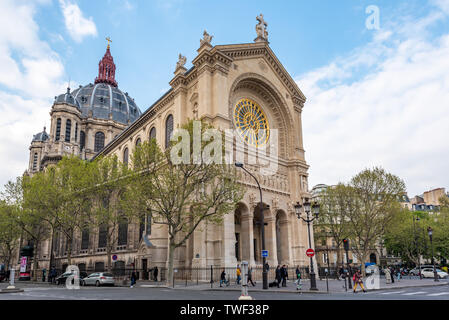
column 251, row 122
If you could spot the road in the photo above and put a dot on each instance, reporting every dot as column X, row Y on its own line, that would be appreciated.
column 34, row 292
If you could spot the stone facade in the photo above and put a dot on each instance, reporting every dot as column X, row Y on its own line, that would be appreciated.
column 222, row 75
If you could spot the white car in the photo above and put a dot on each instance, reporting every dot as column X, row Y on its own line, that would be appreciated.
column 428, row 273
column 98, row 279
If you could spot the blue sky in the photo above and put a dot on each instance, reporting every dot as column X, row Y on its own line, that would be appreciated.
column 351, row 76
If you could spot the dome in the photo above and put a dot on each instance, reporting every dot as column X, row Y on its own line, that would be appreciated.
column 67, row 98
column 104, row 100
column 41, row 136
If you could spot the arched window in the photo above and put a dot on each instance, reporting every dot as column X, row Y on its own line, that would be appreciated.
column 82, row 140
column 76, row 132
column 153, row 133
column 168, row 130
column 68, row 129
column 99, row 141
column 102, row 236
column 122, row 238
column 138, row 141
column 85, row 239
column 125, row 156
column 58, row 129
column 35, row 161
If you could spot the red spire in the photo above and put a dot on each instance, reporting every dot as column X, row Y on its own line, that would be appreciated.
column 106, row 69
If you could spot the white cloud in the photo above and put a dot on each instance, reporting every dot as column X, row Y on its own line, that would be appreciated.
column 395, row 114
column 31, row 73
column 77, row 25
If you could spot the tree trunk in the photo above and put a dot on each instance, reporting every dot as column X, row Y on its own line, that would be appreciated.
column 170, row 263
column 69, row 252
column 109, row 254
column 35, row 260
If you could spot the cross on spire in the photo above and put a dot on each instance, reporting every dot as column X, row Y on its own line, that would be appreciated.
column 108, row 40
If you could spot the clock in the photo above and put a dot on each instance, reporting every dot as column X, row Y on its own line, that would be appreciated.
column 251, row 122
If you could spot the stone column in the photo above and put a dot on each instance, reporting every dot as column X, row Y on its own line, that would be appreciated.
column 270, row 240
column 246, row 236
column 228, row 236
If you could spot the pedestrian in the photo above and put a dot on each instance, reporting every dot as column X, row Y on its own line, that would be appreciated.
column 53, row 274
column 239, row 272
column 8, row 273
column 358, row 280
column 250, row 276
column 341, row 274
column 392, row 274
column 398, row 274
column 44, row 271
column 133, row 279
column 267, row 266
column 155, row 273
column 278, row 275
column 223, row 278
column 387, row 275
column 284, row 275
column 298, row 278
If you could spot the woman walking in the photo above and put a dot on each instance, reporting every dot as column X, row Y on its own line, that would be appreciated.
column 358, row 281
column 298, row 278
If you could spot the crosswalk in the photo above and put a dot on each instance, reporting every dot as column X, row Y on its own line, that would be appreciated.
column 414, row 293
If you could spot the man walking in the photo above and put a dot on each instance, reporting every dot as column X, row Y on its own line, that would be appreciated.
column 223, row 278
column 133, row 279
column 298, row 278
column 250, row 276
column 284, row 275
column 239, row 272
column 155, row 273
column 278, row 275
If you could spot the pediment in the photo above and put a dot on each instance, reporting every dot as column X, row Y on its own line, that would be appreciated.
column 257, row 50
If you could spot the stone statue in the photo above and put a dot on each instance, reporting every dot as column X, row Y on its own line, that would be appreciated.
column 261, row 28
column 181, row 61
column 206, row 38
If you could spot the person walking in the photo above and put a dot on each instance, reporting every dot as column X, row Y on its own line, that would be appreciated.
column 133, row 279
column 284, row 275
column 44, row 272
column 278, row 275
column 392, row 274
column 387, row 275
column 398, row 274
column 155, row 273
column 298, row 278
column 250, row 276
column 239, row 273
column 223, row 278
column 358, row 280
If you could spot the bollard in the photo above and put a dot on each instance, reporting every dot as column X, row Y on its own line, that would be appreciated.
column 11, row 279
column 244, row 295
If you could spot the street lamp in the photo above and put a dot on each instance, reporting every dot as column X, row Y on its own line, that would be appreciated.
column 416, row 244
column 435, row 274
column 315, row 210
column 261, row 208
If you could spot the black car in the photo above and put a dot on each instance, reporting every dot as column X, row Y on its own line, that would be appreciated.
column 63, row 277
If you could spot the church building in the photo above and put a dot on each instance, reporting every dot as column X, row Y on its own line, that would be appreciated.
column 100, row 119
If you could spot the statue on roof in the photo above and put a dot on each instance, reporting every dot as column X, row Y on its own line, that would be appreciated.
column 206, row 38
column 181, row 61
column 261, row 29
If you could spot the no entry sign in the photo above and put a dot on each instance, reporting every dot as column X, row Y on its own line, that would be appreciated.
column 310, row 253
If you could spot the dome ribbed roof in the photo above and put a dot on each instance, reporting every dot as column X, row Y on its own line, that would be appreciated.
column 67, row 98
column 41, row 136
column 105, row 100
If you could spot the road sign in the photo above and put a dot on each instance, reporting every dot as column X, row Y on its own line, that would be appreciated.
column 114, row 257
column 310, row 253
column 264, row 253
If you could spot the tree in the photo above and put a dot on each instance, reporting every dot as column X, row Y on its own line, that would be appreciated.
column 184, row 195
column 333, row 220
column 370, row 208
column 108, row 178
column 9, row 232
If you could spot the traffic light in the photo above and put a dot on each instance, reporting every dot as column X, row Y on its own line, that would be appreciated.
column 346, row 244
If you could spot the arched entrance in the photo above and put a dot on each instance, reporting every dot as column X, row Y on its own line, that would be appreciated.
column 282, row 237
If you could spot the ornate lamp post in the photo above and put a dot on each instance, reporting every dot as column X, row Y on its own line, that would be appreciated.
column 416, row 244
column 435, row 274
column 316, row 210
column 261, row 208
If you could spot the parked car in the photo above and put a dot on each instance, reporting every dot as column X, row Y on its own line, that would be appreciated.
column 98, row 279
column 428, row 273
column 63, row 277
column 415, row 271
